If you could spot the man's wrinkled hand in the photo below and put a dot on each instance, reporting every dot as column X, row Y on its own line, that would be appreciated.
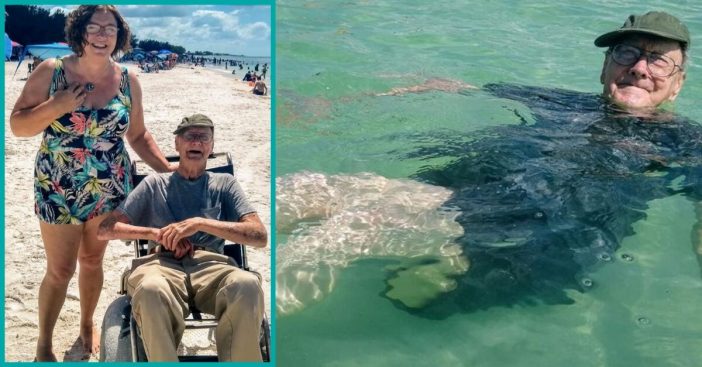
column 173, row 233
column 182, row 248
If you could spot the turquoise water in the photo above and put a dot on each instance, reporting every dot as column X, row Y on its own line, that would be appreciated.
column 333, row 58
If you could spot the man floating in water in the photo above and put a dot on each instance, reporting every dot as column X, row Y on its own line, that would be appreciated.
column 540, row 204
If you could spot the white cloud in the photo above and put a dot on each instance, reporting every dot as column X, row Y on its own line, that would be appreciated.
column 155, row 11
column 202, row 28
column 255, row 31
column 225, row 29
column 62, row 9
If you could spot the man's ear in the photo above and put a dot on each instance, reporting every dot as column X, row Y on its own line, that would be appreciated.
column 604, row 67
column 677, row 85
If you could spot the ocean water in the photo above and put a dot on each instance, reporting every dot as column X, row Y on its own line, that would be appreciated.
column 368, row 253
column 249, row 63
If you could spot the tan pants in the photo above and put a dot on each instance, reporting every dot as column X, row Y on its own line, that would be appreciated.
column 160, row 297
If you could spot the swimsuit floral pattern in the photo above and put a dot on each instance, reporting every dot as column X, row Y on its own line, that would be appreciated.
column 82, row 168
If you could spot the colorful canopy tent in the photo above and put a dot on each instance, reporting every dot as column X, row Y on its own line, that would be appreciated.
column 44, row 51
column 48, row 50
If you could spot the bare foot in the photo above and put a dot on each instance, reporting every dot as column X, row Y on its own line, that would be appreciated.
column 90, row 339
column 45, row 354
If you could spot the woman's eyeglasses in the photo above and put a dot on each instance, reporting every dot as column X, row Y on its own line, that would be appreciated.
column 110, row 30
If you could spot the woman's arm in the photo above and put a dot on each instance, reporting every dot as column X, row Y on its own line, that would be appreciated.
column 35, row 110
column 138, row 137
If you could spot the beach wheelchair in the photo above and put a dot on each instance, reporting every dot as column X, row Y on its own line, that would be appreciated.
column 120, row 340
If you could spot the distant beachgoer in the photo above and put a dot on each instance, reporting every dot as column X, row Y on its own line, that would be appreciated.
column 82, row 169
column 260, row 88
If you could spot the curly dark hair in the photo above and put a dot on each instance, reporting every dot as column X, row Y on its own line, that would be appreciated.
column 79, row 18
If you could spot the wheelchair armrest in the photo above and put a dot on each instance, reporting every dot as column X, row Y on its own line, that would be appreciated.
column 237, row 252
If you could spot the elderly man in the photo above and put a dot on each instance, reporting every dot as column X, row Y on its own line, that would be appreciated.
column 190, row 212
column 644, row 65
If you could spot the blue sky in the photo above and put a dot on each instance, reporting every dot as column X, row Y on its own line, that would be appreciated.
column 238, row 30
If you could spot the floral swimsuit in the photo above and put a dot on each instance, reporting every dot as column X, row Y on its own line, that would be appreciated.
column 82, row 168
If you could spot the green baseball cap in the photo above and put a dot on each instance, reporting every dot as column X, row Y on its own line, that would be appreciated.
column 196, row 120
column 654, row 23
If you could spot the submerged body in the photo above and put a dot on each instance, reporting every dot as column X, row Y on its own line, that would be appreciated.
column 540, row 205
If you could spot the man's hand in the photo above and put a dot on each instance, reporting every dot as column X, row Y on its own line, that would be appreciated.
column 183, row 247
column 171, row 235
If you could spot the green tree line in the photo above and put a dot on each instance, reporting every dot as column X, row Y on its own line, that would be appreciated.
column 31, row 25
column 152, row 45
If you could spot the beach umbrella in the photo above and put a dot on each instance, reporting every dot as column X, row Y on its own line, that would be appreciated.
column 44, row 51
column 8, row 47
column 165, row 52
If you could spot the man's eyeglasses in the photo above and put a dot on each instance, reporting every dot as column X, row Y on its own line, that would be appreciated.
column 658, row 65
column 192, row 137
column 110, row 30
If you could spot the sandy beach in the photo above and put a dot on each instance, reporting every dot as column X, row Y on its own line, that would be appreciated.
column 242, row 128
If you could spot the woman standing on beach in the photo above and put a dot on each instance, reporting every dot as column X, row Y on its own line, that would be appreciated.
column 84, row 104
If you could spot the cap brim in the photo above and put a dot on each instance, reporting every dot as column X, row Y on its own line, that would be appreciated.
column 612, row 38
column 180, row 129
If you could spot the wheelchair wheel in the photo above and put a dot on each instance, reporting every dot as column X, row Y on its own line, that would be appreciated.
column 265, row 340
column 115, row 344
column 136, row 342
